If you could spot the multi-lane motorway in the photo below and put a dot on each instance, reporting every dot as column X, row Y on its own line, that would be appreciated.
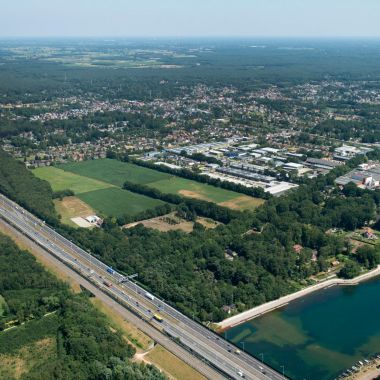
column 202, row 342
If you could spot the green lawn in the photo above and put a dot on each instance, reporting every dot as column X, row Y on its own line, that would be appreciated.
column 114, row 172
column 117, row 202
column 62, row 180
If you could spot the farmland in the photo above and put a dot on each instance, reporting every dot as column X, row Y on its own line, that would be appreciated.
column 117, row 202
column 62, row 180
column 116, row 173
column 93, row 194
column 193, row 189
column 97, row 188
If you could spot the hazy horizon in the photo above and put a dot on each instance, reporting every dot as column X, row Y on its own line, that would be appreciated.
column 190, row 19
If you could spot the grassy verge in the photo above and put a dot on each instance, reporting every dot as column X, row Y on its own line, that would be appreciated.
column 171, row 365
column 135, row 336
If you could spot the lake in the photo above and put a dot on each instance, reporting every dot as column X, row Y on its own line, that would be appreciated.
column 319, row 336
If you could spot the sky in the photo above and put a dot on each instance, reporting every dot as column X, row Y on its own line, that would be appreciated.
column 179, row 18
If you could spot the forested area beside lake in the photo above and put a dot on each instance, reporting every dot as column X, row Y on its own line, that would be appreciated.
column 71, row 339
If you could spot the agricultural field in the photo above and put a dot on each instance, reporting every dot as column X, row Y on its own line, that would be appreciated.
column 116, row 173
column 62, row 180
column 92, row 195
column 117, row 202
column 193, row 189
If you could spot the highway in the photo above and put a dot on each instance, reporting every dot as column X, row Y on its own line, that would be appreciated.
column 196, row 338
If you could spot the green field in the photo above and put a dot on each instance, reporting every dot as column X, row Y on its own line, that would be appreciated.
column 186, row 187
column 62, row 180
column 117, row 202
column 105, row 198
column 114, row 172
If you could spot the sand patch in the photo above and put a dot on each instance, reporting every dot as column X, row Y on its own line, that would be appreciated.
column 243, row 202
column 194, row 194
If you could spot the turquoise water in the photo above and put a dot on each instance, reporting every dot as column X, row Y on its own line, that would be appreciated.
column 319, row 336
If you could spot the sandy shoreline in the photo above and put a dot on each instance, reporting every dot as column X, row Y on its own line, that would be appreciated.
column 272, row 305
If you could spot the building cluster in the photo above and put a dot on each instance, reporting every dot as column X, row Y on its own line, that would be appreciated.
column 365, row 176
column 241, row 161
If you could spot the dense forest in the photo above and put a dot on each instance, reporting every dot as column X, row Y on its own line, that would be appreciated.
column 37, row 309
column 246, row 63
column 19, row 184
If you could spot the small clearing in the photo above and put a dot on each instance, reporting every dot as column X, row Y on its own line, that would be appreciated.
column 243, row 202
column 208, row 223
column 72, row 207
column 171, row 222
column 13, row 366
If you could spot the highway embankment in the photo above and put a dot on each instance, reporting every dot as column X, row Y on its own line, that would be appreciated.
column 280, row 302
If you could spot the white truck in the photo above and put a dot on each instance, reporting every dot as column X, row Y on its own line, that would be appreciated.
column 150, row 296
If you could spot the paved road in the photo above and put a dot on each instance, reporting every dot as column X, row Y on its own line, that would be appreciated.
column 202, row 342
